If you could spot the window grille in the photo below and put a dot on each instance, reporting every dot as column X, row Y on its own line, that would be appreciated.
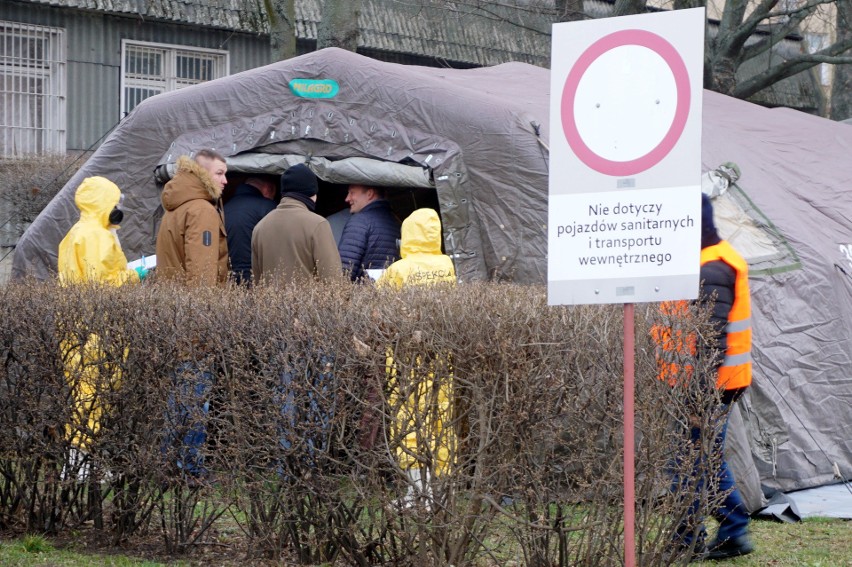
column 32, row 89
column 149, row 68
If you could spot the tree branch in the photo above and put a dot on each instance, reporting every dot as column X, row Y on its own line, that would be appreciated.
column 569, row 10
column 494, row 16
column 778, row 33
column 789, row 68
column 629, row 7
column 764, row 11
column 687, row 4
column 735, row 28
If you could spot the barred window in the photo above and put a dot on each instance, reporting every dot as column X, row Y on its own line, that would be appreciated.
column 32, row 89
column 148, row 69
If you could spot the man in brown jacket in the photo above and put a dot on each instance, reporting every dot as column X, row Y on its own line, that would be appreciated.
column 292, row 242
column 191, row 243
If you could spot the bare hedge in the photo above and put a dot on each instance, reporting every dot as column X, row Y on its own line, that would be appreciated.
column 29, row 183
column 300, row 459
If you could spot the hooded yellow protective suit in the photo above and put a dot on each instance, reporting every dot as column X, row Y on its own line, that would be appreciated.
column 91, row 253
column 421, row 260
column 424, row 410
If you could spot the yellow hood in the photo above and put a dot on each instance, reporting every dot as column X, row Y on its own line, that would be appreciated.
column 96, row 197
column 90, row 251
column 421, row 233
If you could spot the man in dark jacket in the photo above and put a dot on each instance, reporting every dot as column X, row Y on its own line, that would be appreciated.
column 252, row 201
column 293, row 242
column 725, row 290
column 724, row 276
column 370, row 239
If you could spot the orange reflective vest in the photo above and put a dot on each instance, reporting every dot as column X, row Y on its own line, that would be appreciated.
column 735, row 371
column 676, row 345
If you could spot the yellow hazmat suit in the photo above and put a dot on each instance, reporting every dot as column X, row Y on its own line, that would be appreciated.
column 422, row 262
column 426, row 410
column 90, row 252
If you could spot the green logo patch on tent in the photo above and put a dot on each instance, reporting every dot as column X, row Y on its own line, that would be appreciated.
column 314, row 88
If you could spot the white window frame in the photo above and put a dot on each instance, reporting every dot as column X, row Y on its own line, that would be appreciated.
column 32, row 89
column 166, row 80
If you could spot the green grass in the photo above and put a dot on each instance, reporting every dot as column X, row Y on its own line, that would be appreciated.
column 814, row 542
column 35, row 544
column 37, row 551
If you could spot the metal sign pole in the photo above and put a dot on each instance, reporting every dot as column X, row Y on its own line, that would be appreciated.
column 624, row 178
column 629, row 449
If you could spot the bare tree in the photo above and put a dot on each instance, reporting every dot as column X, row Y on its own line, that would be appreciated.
column 282, row 28
column 737, row 42
column 841, row 91
column 745, row 30
column 339, row 25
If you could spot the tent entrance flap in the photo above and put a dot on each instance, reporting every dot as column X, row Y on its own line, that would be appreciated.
column 752, row 234
column 357, row 170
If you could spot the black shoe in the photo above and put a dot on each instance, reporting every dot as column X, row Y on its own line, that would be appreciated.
column 733, row 547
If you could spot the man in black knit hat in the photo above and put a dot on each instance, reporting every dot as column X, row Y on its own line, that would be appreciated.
column 293, row 242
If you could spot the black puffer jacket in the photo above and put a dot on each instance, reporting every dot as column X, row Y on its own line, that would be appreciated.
column 718, row 280
column 370, row 239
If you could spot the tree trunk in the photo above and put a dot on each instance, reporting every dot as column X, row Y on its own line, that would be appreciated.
column 841, row 86
column 339, row 25
column 724, row 76
column 282, row 28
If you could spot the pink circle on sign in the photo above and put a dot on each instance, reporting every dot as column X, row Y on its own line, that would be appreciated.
column 672, row 58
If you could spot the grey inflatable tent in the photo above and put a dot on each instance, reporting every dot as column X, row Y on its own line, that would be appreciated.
column 478, row 138
column 474, row 135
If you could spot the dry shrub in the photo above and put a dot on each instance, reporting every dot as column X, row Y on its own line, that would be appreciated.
column 303, row 386
column 29, row 183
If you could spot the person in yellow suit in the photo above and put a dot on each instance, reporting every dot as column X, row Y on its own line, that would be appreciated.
column 426, row 444
column 91, row 253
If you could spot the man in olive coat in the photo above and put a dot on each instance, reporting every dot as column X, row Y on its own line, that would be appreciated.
column 293, row 242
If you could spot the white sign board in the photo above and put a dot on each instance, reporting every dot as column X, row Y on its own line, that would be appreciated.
column 624, row 218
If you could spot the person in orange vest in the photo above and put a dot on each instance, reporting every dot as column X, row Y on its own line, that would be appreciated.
column 724, row 277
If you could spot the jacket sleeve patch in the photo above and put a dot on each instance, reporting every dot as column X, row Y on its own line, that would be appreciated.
column 207, row 238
